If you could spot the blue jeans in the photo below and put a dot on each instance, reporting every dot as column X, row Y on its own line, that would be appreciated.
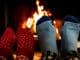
column 47, row 36
column 69, row 33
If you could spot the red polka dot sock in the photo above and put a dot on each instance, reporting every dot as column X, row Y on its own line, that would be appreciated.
column 25, row 43
column 6, row 43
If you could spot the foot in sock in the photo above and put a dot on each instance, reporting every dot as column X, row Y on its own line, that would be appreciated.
column 6, row 43
column 25, row 44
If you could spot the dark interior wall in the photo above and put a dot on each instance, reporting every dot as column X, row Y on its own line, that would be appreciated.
column 58, row 7
column 19, row 10
column 2, row 23
column 63, row 7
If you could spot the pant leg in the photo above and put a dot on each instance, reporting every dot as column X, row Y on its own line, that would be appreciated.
column 69, row 34
column 47, row 37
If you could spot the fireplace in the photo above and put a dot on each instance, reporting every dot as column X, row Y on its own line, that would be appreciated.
column 30, row 22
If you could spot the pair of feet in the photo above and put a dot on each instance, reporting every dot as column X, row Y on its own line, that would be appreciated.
column 25, row 44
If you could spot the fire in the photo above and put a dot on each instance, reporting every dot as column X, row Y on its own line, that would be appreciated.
column 14, row 56
column 31, row 21
column 57, row 34
column 37, row 15
column 57, row 24
column 24, row 25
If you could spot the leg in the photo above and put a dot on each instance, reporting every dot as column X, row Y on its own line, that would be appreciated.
column 25, row 44
column 6, row 43
column 69, row 33
column 47, row 37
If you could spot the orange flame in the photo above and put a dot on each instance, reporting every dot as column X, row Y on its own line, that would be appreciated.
column 37, row 15
column 31, row 21
column 57, row 24
column 24, row 25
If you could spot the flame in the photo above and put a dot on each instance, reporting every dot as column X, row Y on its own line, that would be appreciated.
column 24, row 25
column 57, row 34
column 57, row 24
column 31, row 21
column 37, row 15
column 14, row 56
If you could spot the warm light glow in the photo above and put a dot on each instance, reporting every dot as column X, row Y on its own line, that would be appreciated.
column 54, row 22
column 59, row 37
column 36, row 16
column 24, row 25
column 57, row 26
column 31, row 22
column 35, row 36
column 58, row 34
column 57, row 30
column 14, row 56
column 37, row 2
